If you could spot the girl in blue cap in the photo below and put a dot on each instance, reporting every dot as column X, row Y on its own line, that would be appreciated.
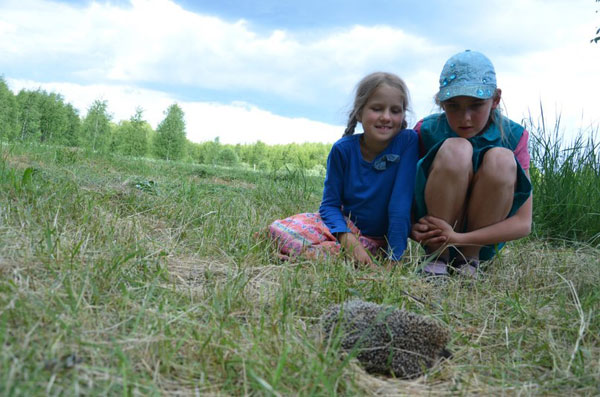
column 472, row 189
column 369, row 185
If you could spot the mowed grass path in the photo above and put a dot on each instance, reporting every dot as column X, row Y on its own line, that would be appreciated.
column 134, row 277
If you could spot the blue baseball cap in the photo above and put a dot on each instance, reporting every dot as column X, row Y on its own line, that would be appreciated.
column 469, row 73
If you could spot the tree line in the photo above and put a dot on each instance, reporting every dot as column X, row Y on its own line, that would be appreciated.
column 38, row 116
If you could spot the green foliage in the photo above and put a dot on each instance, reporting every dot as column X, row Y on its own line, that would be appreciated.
column 71, row 135
column 260, row 156
column 304, row 155
column 8, row 112
column 130, row 138
column 46, row 118
column 170, row 140
column 227, row 156
column 205, row 153
column 96, row 126
column 566, row 184
column 29, row 114
column 256, row 153
column 264, row 165
column 59, row 122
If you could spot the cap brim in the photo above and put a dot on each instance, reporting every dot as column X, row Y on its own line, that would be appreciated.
column 476, row 91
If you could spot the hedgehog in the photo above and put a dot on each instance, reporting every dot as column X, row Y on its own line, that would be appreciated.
column 387, row 340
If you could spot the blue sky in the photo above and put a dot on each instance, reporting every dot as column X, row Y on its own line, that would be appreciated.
column 284, row 71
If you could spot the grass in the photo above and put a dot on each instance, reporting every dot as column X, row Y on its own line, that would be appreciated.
column 566, row 179
column 133, row 277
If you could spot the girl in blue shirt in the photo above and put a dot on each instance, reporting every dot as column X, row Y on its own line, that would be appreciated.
column 369, row 184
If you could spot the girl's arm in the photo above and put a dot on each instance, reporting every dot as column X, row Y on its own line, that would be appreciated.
column 333, row 191
column 400, row 203
column 331, row 207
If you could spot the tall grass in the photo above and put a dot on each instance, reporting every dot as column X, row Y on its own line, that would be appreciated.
column 131, row 277
column 566, row 180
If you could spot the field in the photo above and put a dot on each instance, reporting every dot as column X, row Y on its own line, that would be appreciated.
column 124, row 276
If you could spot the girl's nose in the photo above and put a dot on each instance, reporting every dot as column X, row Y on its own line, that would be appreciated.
column 385, row 115
column 467, row 115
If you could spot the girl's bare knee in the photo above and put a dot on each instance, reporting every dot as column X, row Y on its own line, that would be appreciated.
column 500, row 164
column 455, row 155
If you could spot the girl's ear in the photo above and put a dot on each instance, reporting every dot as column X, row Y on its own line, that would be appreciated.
column 496, row 98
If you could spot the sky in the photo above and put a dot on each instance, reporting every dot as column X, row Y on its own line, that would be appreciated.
column 283, row 71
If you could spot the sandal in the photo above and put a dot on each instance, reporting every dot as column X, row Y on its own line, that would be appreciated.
column 468, row 267
column 436, row 268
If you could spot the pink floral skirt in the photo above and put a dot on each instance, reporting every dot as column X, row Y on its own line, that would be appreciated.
column 307, row 235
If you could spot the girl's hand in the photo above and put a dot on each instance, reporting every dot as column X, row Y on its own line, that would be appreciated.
column 427, row 234
column 362, row 257
column 446, row 233
column 353, row 246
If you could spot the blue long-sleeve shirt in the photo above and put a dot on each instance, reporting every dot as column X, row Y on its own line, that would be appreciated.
column 378, row 201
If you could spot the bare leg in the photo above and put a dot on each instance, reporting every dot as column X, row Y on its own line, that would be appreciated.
column 492, row 192
column 448, row 182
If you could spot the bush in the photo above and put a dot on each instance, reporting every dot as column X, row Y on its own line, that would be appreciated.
column 227, row 156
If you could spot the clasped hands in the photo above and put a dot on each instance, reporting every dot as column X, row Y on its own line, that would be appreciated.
column 433, row 232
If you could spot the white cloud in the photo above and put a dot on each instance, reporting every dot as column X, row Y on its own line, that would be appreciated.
column 550, row 77
column 243, row 123
column 157, row 40
column 540, row 48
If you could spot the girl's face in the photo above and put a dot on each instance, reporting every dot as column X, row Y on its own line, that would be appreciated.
column 468, row 116
column 383, row 114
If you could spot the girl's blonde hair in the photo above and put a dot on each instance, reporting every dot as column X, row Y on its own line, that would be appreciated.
column 366, row 87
